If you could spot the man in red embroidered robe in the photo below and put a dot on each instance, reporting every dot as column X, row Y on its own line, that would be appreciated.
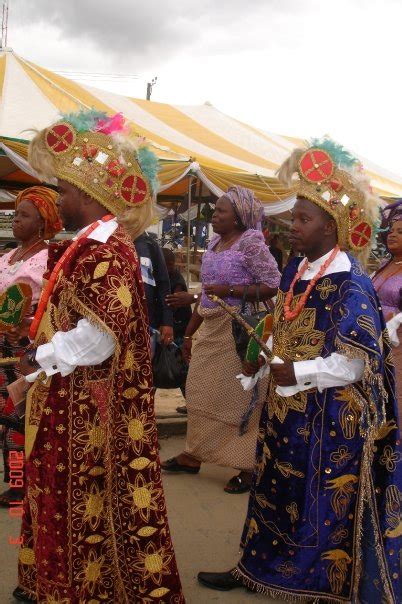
column 94, row 526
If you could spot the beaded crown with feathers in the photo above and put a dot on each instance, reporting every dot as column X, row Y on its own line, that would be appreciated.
column 330, row 177
column 97, row 154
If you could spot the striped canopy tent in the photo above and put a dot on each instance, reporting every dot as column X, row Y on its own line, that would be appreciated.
column 191, row 141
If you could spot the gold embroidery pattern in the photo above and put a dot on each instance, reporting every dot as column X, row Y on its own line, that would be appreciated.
column 350, row 410
column 91, row 509
column 36, row 399
column 385, row 429
column 280, row 405
column 263, row 502
column 90, row 434
column 341, row 456
column 286, row 469
column 95, row 573
column 295, row 341
column 56, row 598
column 325, row 288
column 393, row 508
column 271, row 431
column 343, row 490
column 337, row 569
column 293, row 512
column 143, row 497
column 390, row 458
column 266, row 454
column 252, row 530
column 339, row 535
column 287, row 570
column 366, row 322
column 138, row 429
column 305, row 432
column 153, row 563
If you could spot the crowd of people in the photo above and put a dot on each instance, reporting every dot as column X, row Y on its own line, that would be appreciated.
column 310, row 426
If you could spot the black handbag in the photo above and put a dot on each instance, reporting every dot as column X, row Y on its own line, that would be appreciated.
column 252, row 317
column 169, row 367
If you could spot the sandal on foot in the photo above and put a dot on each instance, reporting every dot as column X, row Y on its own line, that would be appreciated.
column 237, row 485
column 10, row 495
column 22, row 596
column 219, row 581
column 172, row 465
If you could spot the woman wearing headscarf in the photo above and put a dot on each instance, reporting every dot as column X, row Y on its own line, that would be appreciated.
column 35, row 221
column 388, row 285
column 216, row 403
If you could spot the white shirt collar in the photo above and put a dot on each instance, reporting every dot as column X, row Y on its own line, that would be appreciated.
column 102, row 232
column 316, row 264
column 340, row 263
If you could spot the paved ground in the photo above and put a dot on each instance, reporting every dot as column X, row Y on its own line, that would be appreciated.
column 205, row 524
column 166, row 402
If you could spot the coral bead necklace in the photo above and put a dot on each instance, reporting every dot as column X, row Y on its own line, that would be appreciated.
column 47, row 292
column 20, row 253
column 292, row 314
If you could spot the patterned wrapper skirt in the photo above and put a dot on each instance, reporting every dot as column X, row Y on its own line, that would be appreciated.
column 216, row 400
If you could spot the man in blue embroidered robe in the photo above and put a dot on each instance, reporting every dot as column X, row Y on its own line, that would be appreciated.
column 324, row 519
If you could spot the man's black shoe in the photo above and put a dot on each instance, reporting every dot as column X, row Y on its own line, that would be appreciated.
column 22, row 596
column 220, row 581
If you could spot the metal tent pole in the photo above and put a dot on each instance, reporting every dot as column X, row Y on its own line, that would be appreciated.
column 190, row 182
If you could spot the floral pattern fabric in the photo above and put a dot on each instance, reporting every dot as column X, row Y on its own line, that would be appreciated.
column 95, row 526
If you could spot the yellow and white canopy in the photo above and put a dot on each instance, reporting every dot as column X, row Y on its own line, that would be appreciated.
column 199, row 139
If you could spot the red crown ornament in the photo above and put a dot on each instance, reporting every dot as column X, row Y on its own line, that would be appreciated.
column 316, row 166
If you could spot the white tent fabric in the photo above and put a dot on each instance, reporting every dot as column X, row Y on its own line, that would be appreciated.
column 201, row 140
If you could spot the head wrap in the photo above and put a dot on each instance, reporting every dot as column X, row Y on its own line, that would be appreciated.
column 330, row 177
column 390, row 214
column 44, row 200
column 248, row 208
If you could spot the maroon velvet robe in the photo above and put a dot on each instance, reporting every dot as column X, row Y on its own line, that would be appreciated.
column 95, row 528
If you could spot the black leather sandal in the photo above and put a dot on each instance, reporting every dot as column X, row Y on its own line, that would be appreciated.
column 172, row 465
column 238, row 484
column 11, row 495
column 219, row 581
column 22, row 596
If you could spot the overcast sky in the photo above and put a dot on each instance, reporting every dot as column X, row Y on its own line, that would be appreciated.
column 296, row 67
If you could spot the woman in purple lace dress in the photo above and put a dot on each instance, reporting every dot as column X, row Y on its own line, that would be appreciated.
column 216, row 402
column 388, row 284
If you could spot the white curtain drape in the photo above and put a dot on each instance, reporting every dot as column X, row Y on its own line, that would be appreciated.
column 270, row 209
column 19, row 161
column 6, row 195
column 194, row 168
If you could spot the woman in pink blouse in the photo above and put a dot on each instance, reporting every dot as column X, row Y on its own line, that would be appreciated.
column 35, row 221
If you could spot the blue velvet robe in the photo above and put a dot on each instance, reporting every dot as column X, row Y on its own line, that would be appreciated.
column 324, row 520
